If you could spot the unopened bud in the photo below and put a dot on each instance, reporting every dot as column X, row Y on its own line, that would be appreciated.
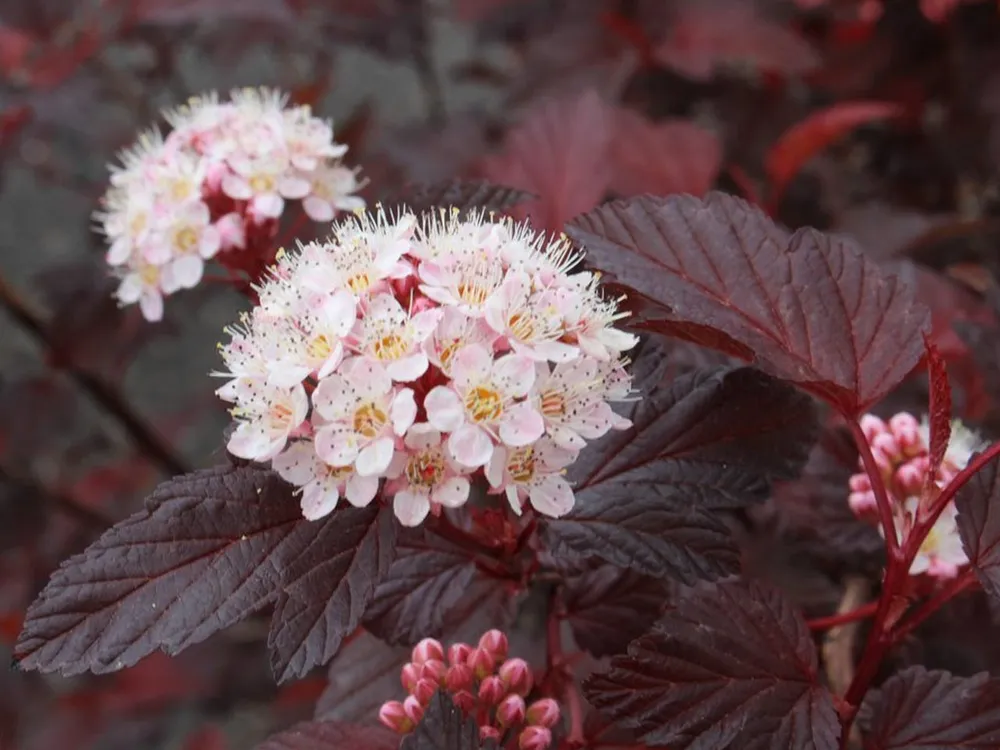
column 426, row 650
column 458, row 677
column 910, row 477
column 495, row 642
column 885, row 450
column 511, row 711
column 491, row 691
column 543, row 713
column 409, row 675
column 482, row 663
column 872, row 426
column 486, row 732
column 458, row 653
column 516, row 676
column 906, row 430
column 534, row 738
column 393, row 715
column 863, row 504
column 424, row 691
column 859, row 482
column 413, row 709
column 434, row 670
column 464, row 700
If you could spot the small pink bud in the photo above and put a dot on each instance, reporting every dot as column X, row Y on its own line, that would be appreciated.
column 482, row 663
column 534, row 738
column 543, row 713
column 906, row 430
column 885, row 450
column 426, row 650
column 424, row 691
column 910, row 478
column 464, row 700
column 516, row 676
column 409, row 675
column 413, row 709
column 872, row 426
column 859, row 483
column 393, row 715
column 458, row 677
column 491, row 691
column 433, row 669
column 863, row 504
column 511, row 711
column 458, row 653
column 495, row 642
column 486, row 732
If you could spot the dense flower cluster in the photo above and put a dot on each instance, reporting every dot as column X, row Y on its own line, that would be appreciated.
column 221, row 176
column 483, row 683
column 901, row 451
column 421, row 353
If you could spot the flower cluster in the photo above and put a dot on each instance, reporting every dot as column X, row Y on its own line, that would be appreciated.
column 423, row 352
column 900, row 448
column 483, row 683
column 218, row 180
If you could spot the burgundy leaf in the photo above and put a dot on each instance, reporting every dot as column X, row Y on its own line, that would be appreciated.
column 329, row 735
column 327, row 587
column 674, row 156
column 703, row 441
column 731, row 664
column 460, row 194
column 806, row 307
column 363, row 676
column 978, row 504
column 426, row 580
column 609, row 607
column 933, row 710
column 205, row 554
column 559, row 152
column 940, row 406
column 444, row 727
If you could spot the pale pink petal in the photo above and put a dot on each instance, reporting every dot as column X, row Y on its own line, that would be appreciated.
column 232, row 233
column 269, row 205
column 471, row 365
column 566, row 438
column 299, row 401
column 495, row 468
column 361, row 490
column 330, row 397
column 445, row 410
column 331, row 362
column 350, row 203
column 317, row 209
column 452, row 493
column 616, row 340
column 336, row 445
column 249, row 441
column 411, row 508
column 187, row 271
column 368, row 378
column 557, row 351
column 408, row 369
column 595, row 421
column 515, row 374
column 130, row 289
column 403, row 411
column 157, row 251
column 151, row 304
column 211, row 242
column 340, row 311
column 552, row 496
column 425, row 322
column 513, row 499
column 236, row 187
column 439, row 294
column 319, row 499
column 374, row 459
column 421, row 436
column 521, row 425
column 119, row 251
column 286, row 372
column 297, row 464
column 293, row 187
column 470, row 446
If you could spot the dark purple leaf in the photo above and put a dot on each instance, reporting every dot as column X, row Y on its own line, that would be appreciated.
column 933, row 710
column 426, row 580
column 806, row 307
column 460, row 194
column 327, row 587
column 363, row 676
column 731, row 664
column 609, row 607
column 940, row 406
column 205, row 554
column 978, row 504
column 444, row 727
column 329, row 735
column 700, row 442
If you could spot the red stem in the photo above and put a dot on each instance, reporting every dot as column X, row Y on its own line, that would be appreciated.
column 962, row 582
column 878, row 488
column 861, row 613
column 556, row 664
column 960, row 479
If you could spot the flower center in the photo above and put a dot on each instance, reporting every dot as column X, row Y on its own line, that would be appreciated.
column 137, row 224
column 280, row 416
column 150, row 275
column 369, row 421
column 553, row 404
column 447, row 352
column 360, row 282
column 391, row 346
column 521, row 465
column 337, row 473
column 262, row 183
column 522, row 326
column 483, row 404
column 319, row 348
column 425, row 469
column 186, row 239
column 181, row 190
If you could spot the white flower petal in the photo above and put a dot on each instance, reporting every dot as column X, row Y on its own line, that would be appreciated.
column 411, row 508
column 374, row 459
column 452, row 493
column 470, row 446
column 445, row 410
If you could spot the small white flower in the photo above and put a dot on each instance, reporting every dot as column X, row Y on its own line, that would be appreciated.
column 331, row 189
column 142, row 283
column 941, row 554
column 531, row 321
column 426, row 475
column 322, row 485
column 267, row 417
column 536, row 473
column 571, row 400
column 191, row 240
column 454, row 332
column 387, row 333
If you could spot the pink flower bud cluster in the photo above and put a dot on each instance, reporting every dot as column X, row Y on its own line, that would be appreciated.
column 217, row 183
column 423, row 353
column 901, row 449
column 483, row 683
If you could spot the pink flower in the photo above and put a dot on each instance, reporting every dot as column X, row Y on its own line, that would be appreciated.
column 465, row 282
column 267, row 415
column 322, row 485
column 331, row 189
column 571, row 400
column 425, row 476
column 265, row 182
column 536, row 473
column 532, row 322
column 363, row 416
column 387, row 333
column 190, row 239
column 481, row 405
column 455, row 331
column 143, row 284
column 942, row 553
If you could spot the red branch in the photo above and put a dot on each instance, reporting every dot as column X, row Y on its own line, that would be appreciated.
column 861, row 613
column 878, row 487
